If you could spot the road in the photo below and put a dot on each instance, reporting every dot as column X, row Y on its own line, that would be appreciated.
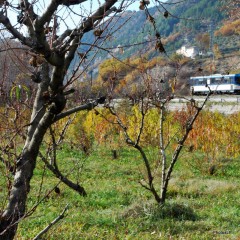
column 226, row 104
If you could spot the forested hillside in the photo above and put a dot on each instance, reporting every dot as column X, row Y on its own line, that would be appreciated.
column 178, row 22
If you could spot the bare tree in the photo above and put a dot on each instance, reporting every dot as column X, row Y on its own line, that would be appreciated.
column 51, row 58
column 158, row 170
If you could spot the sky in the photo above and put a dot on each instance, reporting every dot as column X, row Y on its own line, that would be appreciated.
column 133, row 5
column 92, row 5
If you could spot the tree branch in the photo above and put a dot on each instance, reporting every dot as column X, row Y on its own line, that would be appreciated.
column 142, row 122
column 98, row 15
column 180, row 146
column 54, row 169
column 52, row 7
column 6, row 22
column 150, row 178
column 72, row 2
column 102, row 12
column 87, row 106
column 8, row 165
column 57, row 219
column 162, row 148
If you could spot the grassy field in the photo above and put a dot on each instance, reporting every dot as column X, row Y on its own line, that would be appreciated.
column 199, row 206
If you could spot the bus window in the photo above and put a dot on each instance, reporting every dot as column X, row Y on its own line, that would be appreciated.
column 192, row 81
column 226, row 80
column 232, row 79
column 217, row 80
column 237, row 80
column 195, row 81
column 200, row 82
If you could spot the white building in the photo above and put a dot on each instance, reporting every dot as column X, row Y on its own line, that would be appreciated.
column 188, row 51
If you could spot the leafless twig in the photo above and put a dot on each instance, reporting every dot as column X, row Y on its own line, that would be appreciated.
column 57, row 219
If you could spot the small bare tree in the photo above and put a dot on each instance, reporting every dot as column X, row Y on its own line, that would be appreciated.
column 159, row 171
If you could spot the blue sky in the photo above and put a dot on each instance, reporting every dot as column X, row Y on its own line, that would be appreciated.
column 133, row 5
column 91, row 5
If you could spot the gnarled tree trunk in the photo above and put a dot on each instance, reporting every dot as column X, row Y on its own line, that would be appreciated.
column 50, row 99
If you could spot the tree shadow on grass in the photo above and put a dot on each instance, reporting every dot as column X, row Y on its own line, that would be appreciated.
column 175, row 211
column 155, row 212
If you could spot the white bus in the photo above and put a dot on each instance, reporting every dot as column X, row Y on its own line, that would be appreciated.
column 217, row 83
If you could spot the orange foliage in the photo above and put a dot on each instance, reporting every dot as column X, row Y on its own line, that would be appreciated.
column 229, row 28
column 171, row 38
column 217, row 134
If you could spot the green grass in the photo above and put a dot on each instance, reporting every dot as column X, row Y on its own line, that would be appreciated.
column 117, row 207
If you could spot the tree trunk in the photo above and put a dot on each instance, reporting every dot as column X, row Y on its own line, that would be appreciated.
column 17, row 200
column 50, row 99
column 16, row 207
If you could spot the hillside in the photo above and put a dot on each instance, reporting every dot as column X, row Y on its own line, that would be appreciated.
column 183, row 23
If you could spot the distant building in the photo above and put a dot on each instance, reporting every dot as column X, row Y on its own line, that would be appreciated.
column 188, row 51
column 118, row 49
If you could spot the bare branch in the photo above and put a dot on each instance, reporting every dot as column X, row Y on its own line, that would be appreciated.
column 179, row 147
column 162, row 148
column 57, row 219
column 142, row 122
column 54, row 169
column 6, row 22
column 8, row 165
column 52, row 7
column 150, row 178
column 88, row 106
column 144, row 186
column 102, row 12
column 98, row 15
column 72, row 2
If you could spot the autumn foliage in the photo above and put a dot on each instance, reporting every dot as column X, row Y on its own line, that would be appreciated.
column 229, row 28
column 214, row 134
column 125, row 78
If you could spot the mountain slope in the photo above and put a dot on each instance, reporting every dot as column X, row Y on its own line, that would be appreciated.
column 186, row 19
